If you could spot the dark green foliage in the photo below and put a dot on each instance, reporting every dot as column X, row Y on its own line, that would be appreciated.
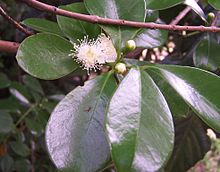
column 152, row 118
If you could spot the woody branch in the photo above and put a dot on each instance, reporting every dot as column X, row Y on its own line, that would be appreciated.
column 12, row 46
column 8, row 47
column 14, row 22
column 108, row 21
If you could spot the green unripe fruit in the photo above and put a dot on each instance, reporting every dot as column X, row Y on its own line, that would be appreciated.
column 120, row 68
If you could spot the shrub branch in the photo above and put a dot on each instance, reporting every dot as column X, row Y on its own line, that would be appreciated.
column 8, row 47
column 181, row 15
column 14, row 22
column 11, row 47
column 107, row 21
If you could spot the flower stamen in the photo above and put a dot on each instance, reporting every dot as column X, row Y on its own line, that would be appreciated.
column 92, row 54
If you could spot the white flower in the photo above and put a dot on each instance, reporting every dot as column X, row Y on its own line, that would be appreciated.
column 105, row 44
column 92, row 54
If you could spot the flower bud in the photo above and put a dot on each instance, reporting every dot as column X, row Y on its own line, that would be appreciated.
column 211, row 134
column 130, row 45
column 120, row 68
column 211, row 17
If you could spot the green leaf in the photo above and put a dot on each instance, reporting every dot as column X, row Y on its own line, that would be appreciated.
column 199, row 89
column 118, row 10
column 21, row 88
column 76, row 127
column 215, row 3
column 42, row 116
column 151, row 38
column 33, row 84
column 45, row 56
column 7, row 163
column 191, row 144
column 207, row 53
column 76, row 29
column 6, row 122
column 193, row 4
column 23, row 165
column 43, row 25
column 162, row 4
column 10, row 104
column 4, row 81
column 135, row 62
column 49, row 105
column 33, row 125
column 177, row 105
column 139, row 125
column 20, row 148
column 151, row 15
column 36, row 96
column 20, row 92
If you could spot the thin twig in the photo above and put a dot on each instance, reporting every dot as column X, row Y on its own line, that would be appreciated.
column 181, row 15
column 8, row 47
column 100, row 20
column 15, row 23
column 25, row 114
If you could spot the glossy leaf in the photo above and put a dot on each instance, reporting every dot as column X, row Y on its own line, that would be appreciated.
column 6, row 122
column 77, row 29
column 151, row 15
column 193, row 4
column 45, row 56
column 4, row 81
column 177, row 105
column 118, row 10
column 207, row 53
column 199, row 89
column 43, row 25
column 151, row 38
column 139, row 125
column 191, row 144
column 162, row 4
column 215, row 3
column 75, row 133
